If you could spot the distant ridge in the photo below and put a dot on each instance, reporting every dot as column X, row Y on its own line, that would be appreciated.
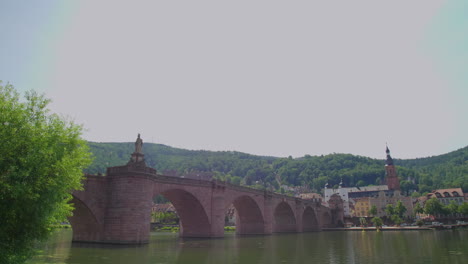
column 421, row 174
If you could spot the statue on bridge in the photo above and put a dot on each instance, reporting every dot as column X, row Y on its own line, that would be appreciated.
column 138, row 158
column 138, row 145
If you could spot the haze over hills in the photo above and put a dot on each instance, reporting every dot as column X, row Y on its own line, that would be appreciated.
column 416, row 175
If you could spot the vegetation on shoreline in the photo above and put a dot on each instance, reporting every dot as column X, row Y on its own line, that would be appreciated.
column 42, row 157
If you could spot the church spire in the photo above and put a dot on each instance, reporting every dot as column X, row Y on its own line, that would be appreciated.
column 391, row 176
column 389, row 158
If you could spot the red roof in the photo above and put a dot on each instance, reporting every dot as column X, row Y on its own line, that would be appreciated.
column 444, row 193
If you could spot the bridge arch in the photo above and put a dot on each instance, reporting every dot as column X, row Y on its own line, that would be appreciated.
column 284, row 219
column 309, row 220
column 85, row 226
column 249, row 217
column 194, row 220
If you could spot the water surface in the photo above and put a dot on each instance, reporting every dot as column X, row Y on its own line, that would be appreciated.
column 319, row 247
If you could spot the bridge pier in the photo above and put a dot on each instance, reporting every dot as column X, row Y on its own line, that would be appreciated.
column 268, row 209
column 128, row 215
column 299, row 210
column 217, row 211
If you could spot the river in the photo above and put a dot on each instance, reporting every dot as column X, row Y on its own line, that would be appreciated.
column 428, row 246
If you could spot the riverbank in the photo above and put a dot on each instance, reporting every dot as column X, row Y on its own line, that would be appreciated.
column 387, row 228
column 397, row 228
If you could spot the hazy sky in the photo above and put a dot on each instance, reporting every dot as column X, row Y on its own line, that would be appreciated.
column 264, row 77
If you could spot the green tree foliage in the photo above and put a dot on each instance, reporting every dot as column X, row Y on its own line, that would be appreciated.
column 41, row 161
column 463, row 208
column 400, row 209
column 396, row 219
column 169, row 218
column 444, row 171
column 363, row 221
column 419, row 222
column 377, row 222
column 390, row 209
column 452, row 208
column 433, row 207
column 396, row 212
column 418, row 209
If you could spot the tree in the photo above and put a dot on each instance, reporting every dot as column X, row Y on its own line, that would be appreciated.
column 390, row 210
column 418, row 209
column 373, row 210
column 377, row 222
column 396, row 212
column 363, row 221
column 407, row 187
column 396, row 219
column 433, row 207
column 452, row 208
column 419, row 222
column 400, row 209
column 360, row 183
column 41, row 161
column 463, row 209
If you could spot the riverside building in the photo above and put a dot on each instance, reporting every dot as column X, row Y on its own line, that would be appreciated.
column 358, row 200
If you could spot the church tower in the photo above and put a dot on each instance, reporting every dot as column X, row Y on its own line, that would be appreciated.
column 391, row 177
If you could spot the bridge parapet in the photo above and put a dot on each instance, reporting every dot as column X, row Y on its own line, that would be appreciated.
column 181, row 181
column 245, row 189
column 129, row 168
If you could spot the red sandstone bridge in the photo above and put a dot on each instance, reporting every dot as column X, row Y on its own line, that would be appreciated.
column 116, row 208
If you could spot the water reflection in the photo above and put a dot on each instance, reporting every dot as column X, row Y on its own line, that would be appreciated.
column 315, row 247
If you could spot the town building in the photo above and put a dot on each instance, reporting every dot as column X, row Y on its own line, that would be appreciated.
column 391, row 197
column 349, row 195
column 357, row 199
column 361, row 207
column 163, row 208
column 446, row 196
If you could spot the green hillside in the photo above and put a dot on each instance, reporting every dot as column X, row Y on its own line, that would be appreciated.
column 422, row 175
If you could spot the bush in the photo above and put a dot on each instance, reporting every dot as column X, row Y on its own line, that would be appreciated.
column 419, row 222
column 230, row 228
column 377, row 222
column 42, row 157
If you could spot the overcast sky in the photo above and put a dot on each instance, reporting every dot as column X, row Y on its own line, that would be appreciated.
column 272, row 78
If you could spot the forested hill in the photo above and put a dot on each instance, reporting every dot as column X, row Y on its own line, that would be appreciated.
column 422, row 175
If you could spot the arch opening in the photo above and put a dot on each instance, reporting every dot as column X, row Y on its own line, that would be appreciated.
column 309, row 220
column 247, row 216
column 284, row 219
column 190, row 214
column 85, row 226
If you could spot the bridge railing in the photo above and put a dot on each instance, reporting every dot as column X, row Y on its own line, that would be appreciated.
column 150, row 172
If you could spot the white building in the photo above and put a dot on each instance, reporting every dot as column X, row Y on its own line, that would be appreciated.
column 346, row 194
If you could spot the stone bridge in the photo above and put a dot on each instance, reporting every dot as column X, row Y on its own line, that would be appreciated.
column 116, row 208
